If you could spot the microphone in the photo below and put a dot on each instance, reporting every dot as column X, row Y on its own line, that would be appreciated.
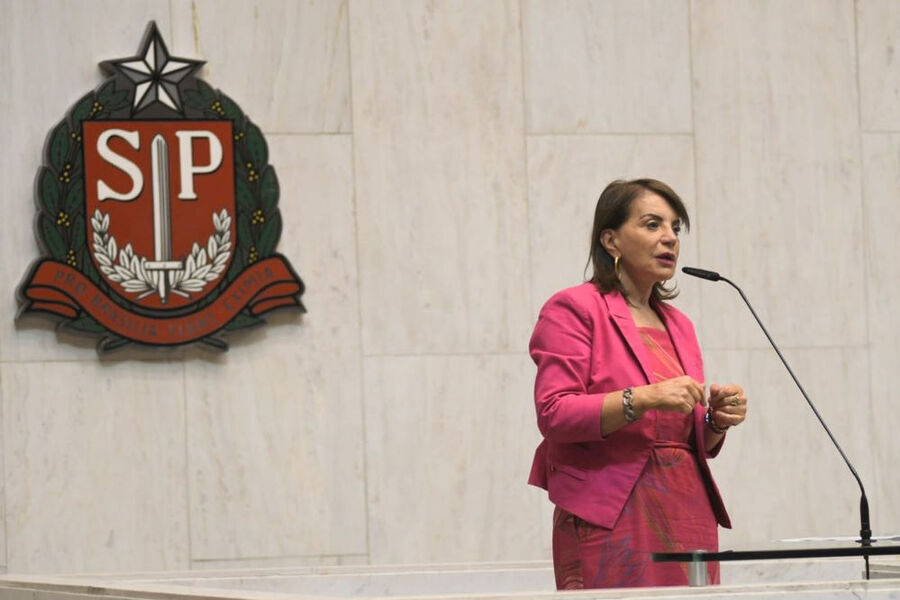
column 865, row 530
column 702, row 273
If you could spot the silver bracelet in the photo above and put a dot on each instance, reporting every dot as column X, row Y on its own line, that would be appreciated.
column 711, row 423
column 628, row 406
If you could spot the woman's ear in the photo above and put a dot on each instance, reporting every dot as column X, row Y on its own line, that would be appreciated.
column 608, row 241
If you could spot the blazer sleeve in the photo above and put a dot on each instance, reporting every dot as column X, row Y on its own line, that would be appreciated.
column 561, row 348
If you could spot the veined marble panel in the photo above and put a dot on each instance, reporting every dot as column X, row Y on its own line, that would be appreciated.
column 275, row 426
column 449, row 443
column 546, row 512
column 609, row 66
column 440, row 176
column 791, row 570
column 95, row 466
column 3, row 553
column 50, row 52
column 778, row 472
column 285, row 63
column 565, row 177
column 878, row 28
column 778, row 169
column 881, row 159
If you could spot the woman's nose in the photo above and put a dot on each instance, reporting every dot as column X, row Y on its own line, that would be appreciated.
column 669, row 237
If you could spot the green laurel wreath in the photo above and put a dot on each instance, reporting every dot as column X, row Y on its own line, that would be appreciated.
column 60, row 192
column 256, row 188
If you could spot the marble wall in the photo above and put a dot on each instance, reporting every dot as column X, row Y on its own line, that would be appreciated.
column 439, row 162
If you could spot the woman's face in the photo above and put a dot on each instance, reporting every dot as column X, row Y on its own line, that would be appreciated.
column 648, row 241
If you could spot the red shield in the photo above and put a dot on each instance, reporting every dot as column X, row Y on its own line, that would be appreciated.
column 161, row 220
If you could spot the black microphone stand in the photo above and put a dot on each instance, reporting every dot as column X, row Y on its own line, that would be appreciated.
column 865, row 530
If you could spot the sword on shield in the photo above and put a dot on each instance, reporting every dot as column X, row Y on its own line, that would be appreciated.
column 162, row 266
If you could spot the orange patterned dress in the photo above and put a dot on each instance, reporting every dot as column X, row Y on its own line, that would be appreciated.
column 668, row 510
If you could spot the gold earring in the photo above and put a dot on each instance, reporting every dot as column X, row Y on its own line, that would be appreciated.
column 616, row 266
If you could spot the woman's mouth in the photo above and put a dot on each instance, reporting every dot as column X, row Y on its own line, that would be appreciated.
column 666, row 258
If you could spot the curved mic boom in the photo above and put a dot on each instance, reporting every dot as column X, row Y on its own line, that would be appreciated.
column 865, row 530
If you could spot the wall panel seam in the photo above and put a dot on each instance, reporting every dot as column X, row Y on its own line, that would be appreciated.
column 862, row 184
column 525, row 156
column 609, row 133
column 279, row 557
column 187, row 464
column 3, row 438
column 863, row 225
column 359, row 297
column 782, row 347
column 311, row 133
column 696, row 163
column 521, row 353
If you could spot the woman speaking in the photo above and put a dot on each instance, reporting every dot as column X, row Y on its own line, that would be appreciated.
column 622, row 407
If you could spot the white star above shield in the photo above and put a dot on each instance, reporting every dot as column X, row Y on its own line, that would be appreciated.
column 155, row 74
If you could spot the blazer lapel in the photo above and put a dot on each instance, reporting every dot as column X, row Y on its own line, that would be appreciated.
column 624, row 322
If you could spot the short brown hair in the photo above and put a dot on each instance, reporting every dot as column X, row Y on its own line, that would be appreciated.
column 613, row 208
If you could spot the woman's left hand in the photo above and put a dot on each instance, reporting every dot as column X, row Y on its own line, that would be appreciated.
column 728, row 404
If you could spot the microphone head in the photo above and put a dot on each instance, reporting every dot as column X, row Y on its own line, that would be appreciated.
column 701, row 273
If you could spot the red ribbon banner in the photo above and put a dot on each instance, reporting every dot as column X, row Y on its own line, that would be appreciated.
column 59, row 289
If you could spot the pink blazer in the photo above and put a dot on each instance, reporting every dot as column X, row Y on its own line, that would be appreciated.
column 585, row 345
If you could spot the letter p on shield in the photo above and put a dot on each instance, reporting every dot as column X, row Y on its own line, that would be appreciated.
column 186, row 156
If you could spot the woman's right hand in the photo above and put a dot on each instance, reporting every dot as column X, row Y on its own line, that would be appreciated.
column 678, row 394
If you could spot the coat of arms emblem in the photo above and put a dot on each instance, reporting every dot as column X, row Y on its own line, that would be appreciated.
column 157, row 211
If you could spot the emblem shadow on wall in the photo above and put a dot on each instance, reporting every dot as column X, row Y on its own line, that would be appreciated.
column 157, row 212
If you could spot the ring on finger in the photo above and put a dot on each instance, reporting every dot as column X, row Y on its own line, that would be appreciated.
column 735, row 401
